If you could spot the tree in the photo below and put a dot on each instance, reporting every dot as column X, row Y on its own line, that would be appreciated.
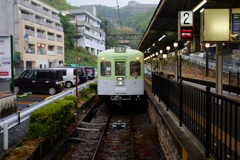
column 69, row 32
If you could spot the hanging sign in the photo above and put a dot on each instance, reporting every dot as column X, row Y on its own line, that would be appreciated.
column 185, row 25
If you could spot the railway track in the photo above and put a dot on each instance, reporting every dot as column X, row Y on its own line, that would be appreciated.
column 112, row 133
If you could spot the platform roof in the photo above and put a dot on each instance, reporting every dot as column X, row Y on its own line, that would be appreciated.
column 165, row 22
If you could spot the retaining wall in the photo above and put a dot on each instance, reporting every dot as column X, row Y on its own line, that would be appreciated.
column 8, row 105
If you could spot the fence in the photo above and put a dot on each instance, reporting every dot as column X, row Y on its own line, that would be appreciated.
column 212, row 118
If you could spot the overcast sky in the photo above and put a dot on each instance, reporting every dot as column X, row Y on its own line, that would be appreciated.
column 110, row 3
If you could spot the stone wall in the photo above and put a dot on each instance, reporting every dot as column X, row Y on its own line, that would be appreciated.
column 8, row 105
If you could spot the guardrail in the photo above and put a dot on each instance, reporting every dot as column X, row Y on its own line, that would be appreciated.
column 19, row 117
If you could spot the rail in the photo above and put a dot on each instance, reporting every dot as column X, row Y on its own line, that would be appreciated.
column 17, row 118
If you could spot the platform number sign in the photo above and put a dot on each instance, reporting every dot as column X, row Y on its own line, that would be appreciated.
column 186, row 18
column 185, row 25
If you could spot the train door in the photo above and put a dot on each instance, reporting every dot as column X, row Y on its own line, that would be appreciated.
column 121, row 79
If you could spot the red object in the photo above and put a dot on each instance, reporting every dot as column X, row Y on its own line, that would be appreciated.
column 4, row 73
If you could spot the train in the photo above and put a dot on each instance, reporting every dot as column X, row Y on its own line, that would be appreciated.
column 120, row 74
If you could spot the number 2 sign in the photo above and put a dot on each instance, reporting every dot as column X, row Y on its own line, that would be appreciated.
column 186, row 18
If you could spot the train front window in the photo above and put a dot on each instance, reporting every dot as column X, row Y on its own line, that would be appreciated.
column 120, row 68
column 105, row 68
column 135, row 68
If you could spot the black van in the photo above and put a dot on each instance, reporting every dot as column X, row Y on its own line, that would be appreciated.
column 40, row 80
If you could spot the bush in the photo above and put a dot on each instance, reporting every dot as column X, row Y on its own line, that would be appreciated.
column 73, row 98
column 85, row 94
column 45, row 121
column 93, row 87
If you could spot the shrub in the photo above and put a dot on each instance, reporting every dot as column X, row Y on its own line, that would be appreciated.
column 85, row 94
column 93, row 87
column 45, row 121
column 73, row 98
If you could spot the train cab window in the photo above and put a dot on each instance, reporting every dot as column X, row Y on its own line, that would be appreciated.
column 135, row 68
column 106, row 68
column 120, row 68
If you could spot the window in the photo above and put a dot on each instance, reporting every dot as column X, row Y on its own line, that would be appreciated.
column 135, row 68
column 120, row 68
column 43, row 74
column 29, row 74
column 106, row 68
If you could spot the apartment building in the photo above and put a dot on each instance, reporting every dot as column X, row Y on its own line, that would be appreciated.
column 38, row 35
column 92, row 36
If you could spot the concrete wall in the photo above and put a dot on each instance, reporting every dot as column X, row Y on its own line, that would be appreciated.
column 177, row 143
column 8, row 105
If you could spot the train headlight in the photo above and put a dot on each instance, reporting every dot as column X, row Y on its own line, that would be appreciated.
column 120, row 83
column 120, row 49
column 103, row 58
column 137, row 58
column 120, row 78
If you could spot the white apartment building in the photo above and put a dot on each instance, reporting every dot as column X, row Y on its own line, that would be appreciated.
column 38, row 35
column 92, row 36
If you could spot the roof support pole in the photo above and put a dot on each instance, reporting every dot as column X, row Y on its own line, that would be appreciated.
column 219, row 68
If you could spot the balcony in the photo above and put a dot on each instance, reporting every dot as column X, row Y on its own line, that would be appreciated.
column 30, row 32
column 51, row 53
column 30, row 50
column 41, row 35
column 52, row 38
column 41, row 52
column 59, row 39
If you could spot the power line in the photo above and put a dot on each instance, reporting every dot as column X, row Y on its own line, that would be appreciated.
column 119, row 16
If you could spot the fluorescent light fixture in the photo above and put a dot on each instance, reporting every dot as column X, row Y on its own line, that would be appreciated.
column 161, row 37
column 148, row 49
column 153, row 44
column 199, row 5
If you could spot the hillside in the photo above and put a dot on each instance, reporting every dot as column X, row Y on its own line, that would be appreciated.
column 192, row 70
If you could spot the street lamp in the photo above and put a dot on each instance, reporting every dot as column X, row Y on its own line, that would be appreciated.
column 207, row 45
column 175, row 44
column 164, row 57
column 168, row 48
column 76, row 24
column 157, row 60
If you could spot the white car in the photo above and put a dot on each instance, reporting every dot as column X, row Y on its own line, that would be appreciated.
column 69, row 76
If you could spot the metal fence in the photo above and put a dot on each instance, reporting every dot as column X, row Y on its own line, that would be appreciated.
column 212, row 118
column 19, row 117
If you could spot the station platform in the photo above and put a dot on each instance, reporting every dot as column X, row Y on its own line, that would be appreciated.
column 176, row 142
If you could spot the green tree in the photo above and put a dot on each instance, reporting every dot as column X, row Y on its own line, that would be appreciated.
column 69, row 32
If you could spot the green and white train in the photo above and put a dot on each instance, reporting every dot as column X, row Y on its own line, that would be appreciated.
column 121, row 74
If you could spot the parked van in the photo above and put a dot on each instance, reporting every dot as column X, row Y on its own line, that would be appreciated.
column 39, row 80
column 69, row 76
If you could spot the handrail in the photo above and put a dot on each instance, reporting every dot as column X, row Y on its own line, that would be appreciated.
column 19, row 117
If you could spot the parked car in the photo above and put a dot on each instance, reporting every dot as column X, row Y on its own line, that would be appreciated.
column 90, row 72
column 69, row 76
column 39, row 80
column 82, row 73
